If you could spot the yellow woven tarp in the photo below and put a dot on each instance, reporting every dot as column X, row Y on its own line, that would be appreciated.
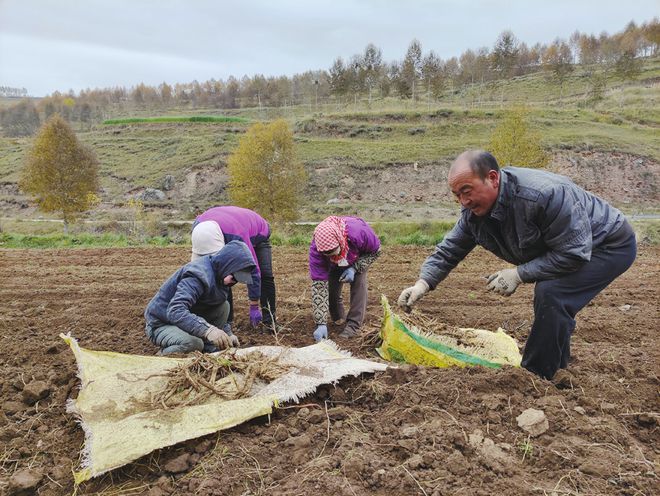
column 474, row 347
column 120, row 426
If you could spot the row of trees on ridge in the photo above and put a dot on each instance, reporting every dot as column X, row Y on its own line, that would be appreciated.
column 364, row 75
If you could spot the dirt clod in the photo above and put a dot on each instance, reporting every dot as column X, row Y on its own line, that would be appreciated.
column 25, row 481
column 35, row 391
column 533, row 421
column 179, row 464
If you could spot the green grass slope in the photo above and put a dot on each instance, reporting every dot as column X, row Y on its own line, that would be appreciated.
column 138, row 154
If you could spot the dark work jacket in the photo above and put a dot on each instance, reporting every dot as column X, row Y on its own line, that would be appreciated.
column 541, row 222
column 195, row 289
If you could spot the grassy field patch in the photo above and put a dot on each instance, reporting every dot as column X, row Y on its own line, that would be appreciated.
column 193, row 118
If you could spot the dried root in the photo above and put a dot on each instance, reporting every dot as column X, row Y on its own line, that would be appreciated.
column 227, row 375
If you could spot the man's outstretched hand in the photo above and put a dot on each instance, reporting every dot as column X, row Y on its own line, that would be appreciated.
column 504, row 282
column 410, row 295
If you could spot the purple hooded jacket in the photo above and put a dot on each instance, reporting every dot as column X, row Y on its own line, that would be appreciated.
column 244, row 225
column 361, row 240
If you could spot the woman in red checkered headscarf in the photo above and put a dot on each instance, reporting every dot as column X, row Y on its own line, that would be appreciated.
column 330, row 234
column 341, row 251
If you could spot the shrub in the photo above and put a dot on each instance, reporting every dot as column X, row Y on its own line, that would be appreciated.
column 514, row 143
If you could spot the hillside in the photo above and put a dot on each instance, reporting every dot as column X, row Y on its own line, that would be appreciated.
column 399, row 149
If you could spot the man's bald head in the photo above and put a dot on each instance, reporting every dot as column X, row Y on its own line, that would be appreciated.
column 474, row 178
column 480, row 162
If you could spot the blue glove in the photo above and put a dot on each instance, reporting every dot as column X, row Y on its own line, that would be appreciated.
column 348, row 275
column 321, row 332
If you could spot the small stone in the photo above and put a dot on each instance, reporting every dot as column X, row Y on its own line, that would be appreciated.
column 303, row 412
column 533, row 421
column 580, row 410
column 168, row 182
column 35, row 391
column 332, row 201
column 608, row 407
column 25, row 481
column 152, row 194
column 179, row 464
column 625, row 308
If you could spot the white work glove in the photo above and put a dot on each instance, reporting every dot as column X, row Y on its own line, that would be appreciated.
column 218, row 337
column 233, row 339
column 321, row 332
column 504, row 282
column 410, row 295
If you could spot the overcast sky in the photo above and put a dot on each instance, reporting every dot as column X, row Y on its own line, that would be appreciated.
column 49, row 45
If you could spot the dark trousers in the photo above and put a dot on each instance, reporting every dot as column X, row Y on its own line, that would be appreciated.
column 264, row 252
column 557, row 301
column 358, row 308
column 172, row 339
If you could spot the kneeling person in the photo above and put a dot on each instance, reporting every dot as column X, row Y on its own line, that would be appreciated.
column 190, row 309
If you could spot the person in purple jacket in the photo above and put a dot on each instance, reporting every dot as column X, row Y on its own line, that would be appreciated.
column 341, row 251
column 220, row 225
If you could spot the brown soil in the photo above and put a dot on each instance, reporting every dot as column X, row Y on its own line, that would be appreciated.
column 411, row 430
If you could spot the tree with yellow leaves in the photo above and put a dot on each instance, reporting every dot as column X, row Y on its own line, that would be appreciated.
column 60, row 172
column 264, row 174
column 514, row 143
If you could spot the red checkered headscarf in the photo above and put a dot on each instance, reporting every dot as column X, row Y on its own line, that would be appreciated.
column 331, row 233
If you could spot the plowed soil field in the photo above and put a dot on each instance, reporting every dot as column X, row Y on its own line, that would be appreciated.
column 411, row 430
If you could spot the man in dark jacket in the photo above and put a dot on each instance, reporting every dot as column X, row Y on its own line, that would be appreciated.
column 190, row 308
column 568, row 241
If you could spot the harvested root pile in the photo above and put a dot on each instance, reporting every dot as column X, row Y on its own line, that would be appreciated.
column 413, row 338
column 433, row 328
column 227, row 375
